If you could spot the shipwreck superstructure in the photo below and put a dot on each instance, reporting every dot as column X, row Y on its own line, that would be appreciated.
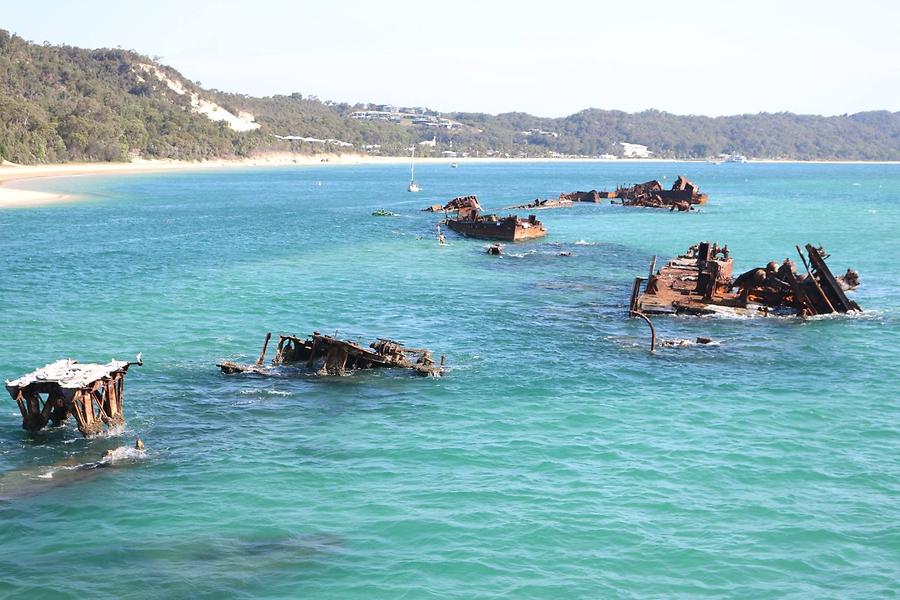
column 92, row 393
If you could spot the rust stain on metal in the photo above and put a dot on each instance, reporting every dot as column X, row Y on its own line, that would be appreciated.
column 327, row 355
column 701, row 281
column 92, row 393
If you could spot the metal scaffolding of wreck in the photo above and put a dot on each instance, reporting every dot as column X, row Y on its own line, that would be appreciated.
column 92, row 393
column 327, row 355
column 701, row 281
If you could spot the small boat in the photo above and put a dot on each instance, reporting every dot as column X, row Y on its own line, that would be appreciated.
column 454, row 165
column 384, row 213
column 413, row 186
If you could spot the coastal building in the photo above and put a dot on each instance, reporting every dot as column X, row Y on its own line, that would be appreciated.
column 630, row 150
column 541, row 132
column 312, row 140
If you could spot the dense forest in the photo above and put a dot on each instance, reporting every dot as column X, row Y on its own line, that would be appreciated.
column 59, row 104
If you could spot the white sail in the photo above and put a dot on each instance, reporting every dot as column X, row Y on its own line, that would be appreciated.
column 413, row 186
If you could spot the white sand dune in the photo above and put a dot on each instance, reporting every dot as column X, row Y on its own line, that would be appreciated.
column 243, row 121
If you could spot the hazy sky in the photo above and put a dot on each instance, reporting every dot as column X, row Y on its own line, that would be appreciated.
column 549, row 58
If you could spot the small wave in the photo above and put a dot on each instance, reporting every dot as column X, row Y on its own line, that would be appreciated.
column 264, row 391
column 123, row 454
column 867, row 314
column 585, row 243
column 278, row 393
column 683, row 343
column 112, row 432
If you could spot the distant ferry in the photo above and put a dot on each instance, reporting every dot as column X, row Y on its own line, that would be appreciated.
column 736, row 158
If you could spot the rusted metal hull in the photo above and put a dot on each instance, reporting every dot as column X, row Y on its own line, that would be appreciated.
column 506, row 230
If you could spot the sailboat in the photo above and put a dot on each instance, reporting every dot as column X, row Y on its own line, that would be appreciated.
column 413, row 186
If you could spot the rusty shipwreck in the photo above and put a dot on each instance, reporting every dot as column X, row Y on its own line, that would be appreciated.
column 455, row 204
column 471, row 223
column 701, row 282
column 683, row 196
column 327, row 355
column 92, row 393
column 591, row 196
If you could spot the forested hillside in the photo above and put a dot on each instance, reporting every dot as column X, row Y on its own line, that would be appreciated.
column 59, row 104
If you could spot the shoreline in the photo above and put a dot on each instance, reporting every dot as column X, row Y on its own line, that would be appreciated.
column 12, row 196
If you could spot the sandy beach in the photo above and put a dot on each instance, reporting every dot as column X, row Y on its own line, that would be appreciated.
column 15, row 196
column 12, row 196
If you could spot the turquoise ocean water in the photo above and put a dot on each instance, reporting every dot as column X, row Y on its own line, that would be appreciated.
column 558, row 459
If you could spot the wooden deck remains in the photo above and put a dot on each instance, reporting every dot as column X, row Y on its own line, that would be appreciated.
column 93, row 393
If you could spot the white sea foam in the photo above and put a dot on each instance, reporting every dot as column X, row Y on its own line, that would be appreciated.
column 123, row 454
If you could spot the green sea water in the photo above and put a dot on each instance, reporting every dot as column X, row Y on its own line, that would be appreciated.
column 557, row 459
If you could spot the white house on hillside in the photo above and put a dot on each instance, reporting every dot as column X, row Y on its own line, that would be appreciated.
column 634, row 150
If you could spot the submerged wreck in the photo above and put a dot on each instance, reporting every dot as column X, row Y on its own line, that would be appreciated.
column 471, row 223
column 93, row 393
column 326, row 355
column 683, row 196
column 701, row 282
column 539, row 204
